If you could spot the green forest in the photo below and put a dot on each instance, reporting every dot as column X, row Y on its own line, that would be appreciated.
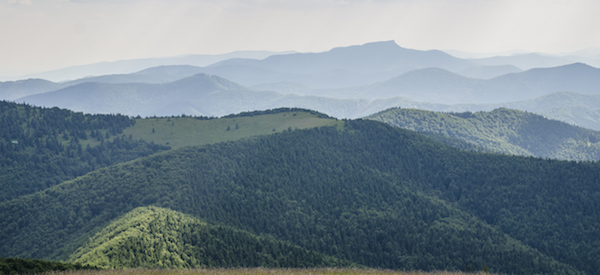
column 10, row 266
column 344, row 193
column 502, row 130
column 152, row 237
column 42, row 147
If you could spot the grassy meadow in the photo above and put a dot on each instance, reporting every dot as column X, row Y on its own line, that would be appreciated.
column 178, row 132
column 254, row 271
column 184, row 131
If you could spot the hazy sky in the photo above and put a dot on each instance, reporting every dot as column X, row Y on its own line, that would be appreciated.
column 39, row 35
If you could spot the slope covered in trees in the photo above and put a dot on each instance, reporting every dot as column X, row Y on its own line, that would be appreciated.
column 370, row 194
column 41, row 147
column 502, row 130
column 154, row 237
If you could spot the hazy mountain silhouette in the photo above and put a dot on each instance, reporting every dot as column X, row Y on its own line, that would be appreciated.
column 436, row 85
column 339, row 67
column 524, row 61
column 11, row 90
column 430, row 85
column 488, row 72
column 440, row 86
column 577, row 77
column 134, row 65
column 160, row 74
column 200, row 94
column 375, row 71
column 210, row 92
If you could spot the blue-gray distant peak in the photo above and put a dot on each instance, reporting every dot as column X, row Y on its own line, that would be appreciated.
column 339, row 67
column 575, row 72
column 383, row 45
column 11, row 90
column 203, row 82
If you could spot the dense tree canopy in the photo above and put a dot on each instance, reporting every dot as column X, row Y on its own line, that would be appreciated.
column 367, row 193
column 42, row 147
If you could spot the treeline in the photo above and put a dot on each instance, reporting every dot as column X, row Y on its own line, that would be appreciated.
column 502, row 130
column 10, row 266
column 41, row 147
column 276, row 111
column 373, row 195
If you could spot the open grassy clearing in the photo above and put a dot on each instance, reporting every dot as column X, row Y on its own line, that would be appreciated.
column 184, row 131
column 256, row 271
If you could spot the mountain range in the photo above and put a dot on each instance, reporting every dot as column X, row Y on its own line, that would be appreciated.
column 182, row 166
column 386, row 74
column 134, row 65
column 353, row 192
column 437, row 85
column 207, row 95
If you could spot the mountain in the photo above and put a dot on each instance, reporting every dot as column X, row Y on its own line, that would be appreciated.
column 372, row 71
column 525, row 61
column 367, row 58
column 134, row 65
column 441, row 86
column 152, row 237
column 214, row 96
column 11, row 90
column 200, row 95
column 339, row 67
column 361, row 191
column 435, row 85
column 502, row 130
column 487, row 72
column 153, row 75
column 577, row 77
column 210, row 95
column 429, row 85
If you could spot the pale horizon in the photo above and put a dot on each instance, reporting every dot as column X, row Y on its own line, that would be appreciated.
column 53, row 34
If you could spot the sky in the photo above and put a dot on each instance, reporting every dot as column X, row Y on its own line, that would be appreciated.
column 41, row 35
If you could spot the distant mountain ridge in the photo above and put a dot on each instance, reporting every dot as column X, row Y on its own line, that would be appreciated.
column 525, row 61
column 435, row 85
column 488, row 72
column 502, row 130
column 134, row 65
column 214, row 96
column 289, row 81
column 339, row 67
column 209, row 95
column 11, row 90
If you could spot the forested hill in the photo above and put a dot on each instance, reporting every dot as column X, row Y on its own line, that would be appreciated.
column 364, row 192
column 41, row 147
column 152, row 237
column 502, row 130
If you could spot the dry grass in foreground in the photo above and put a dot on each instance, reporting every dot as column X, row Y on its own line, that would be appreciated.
column 255, row 271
